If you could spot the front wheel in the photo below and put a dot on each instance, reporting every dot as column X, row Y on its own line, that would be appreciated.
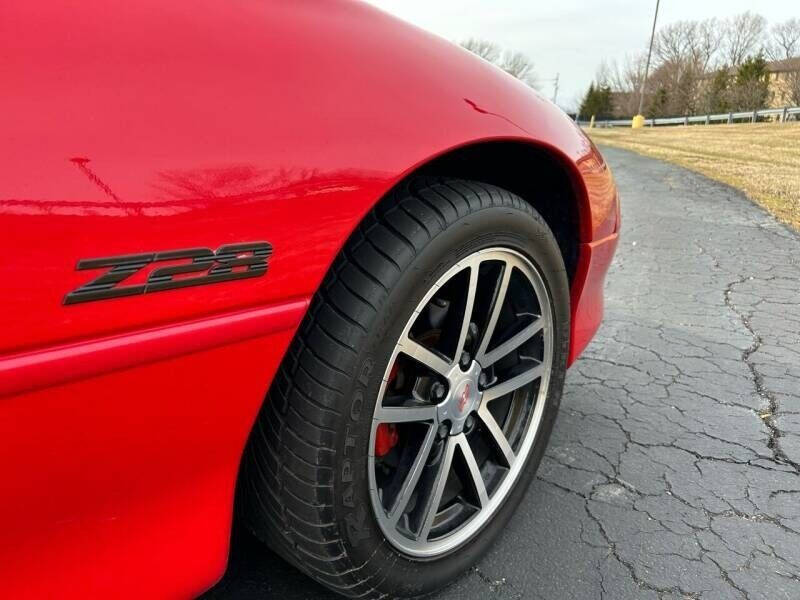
column 413, row 408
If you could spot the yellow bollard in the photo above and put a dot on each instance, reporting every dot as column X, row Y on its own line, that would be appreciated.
column 638, row 122
column 591, row 122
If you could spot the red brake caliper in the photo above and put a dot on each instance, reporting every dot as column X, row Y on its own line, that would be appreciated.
column 386, row 435
column 385, row 439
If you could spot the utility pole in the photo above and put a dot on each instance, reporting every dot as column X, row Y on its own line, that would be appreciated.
column 555, row 88
column 647, row 64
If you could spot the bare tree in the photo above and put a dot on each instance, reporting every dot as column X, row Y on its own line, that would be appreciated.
column 744, row 36
column 520, row 66
column 793, row 87
column 516, row 64
column 604, row 73
column 624, row 78
column 785, row 40
column 672, row 90
column 485, row 49
column 685, row 51
column 671, row 43
column 690, row 42
column 706, row 41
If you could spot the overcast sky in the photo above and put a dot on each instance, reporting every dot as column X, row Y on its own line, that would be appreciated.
column 569, row 37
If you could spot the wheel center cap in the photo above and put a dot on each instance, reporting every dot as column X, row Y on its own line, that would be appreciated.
column 465, row 395
column 463, row 399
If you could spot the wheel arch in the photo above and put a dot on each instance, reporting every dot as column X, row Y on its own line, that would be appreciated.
column 538, row 174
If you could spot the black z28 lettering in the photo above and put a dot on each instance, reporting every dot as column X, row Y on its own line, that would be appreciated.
column 212, row 267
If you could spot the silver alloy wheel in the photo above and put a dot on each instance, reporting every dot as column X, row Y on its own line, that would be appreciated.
column 464, row 410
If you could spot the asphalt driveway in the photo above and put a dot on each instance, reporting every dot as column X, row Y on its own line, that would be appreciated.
column 674, row 469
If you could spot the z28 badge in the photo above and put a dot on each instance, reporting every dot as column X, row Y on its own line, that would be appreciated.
column 229, row 262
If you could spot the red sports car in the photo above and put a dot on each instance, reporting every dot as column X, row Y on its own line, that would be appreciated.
column 296, row 258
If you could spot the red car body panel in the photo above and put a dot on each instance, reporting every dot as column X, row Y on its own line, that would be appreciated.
column 146, row 126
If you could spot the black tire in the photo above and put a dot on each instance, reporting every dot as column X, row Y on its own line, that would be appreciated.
column 304, row 476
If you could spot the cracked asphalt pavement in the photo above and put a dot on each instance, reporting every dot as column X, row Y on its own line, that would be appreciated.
column 674, row 468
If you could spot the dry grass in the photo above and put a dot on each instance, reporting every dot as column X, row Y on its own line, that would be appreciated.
column 762, row 160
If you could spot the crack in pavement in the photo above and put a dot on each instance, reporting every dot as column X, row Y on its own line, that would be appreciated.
column 497, row 585
column 771, row 408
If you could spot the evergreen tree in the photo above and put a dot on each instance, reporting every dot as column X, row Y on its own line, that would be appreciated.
column 597, row 102
column 659, row 103
column 718, row 96
column 586, row 104
column 751, row 89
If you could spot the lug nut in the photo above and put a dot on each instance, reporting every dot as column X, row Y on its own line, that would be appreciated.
column 438, row 391
column 470, row 422
column 442, row 431
column 465, row 360
column 483, row 380
column 472, row 333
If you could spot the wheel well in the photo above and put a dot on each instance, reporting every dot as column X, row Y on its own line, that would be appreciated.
column 532, row 173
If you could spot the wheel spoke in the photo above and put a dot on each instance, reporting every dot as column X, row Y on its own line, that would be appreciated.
column 404, row 414
column 404, row 495
column 471, row 290
column 512, row 343
column 497, row 434
column 474, row 469
column 427, row 357
column 435, row 497
column 516, row 382
column 497, row 305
